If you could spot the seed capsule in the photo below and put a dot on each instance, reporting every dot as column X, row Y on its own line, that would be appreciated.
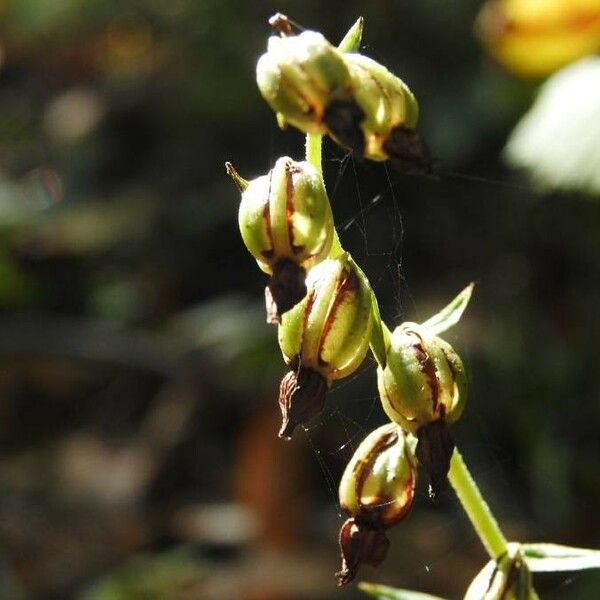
column 376, row 490
column 507, row 579
column 378, row 120
column 324, row 337
column 298, row 76
column 286, row 223
column 423, row 389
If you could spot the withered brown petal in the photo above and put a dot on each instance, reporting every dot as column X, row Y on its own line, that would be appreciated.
column 408, row 152
column 343, row 118
column 301, row 397
column 360, row 543
column 434, row 450
column 285, row 289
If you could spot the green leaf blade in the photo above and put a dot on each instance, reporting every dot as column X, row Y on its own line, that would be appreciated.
column 351, row 41
column 384, row 592
column 451, row 314
column 545, row 558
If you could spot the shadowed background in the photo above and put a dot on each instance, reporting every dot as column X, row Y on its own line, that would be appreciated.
column 138, row 380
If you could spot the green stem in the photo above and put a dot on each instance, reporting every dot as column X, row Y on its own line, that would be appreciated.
column 313, row 150
column 313, row 156
column 476, row 507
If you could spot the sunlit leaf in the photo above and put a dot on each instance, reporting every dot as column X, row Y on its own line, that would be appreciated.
column 384, row 592
column 451, row 314
column 558, row 140
column 554, row 557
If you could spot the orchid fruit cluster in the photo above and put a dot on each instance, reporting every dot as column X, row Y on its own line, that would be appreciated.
column 327, row 314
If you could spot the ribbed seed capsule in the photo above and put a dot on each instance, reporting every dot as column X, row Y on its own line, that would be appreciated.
column 298, row 76
column 286, row 223
column 423, row 389
column 376, row 490
column 507, row 579
column 378, row 121
column 324, row 337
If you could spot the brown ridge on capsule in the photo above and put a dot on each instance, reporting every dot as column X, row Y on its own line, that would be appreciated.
column 428, row 367
column 348, row 283
column 266, row 215
column 289, row 207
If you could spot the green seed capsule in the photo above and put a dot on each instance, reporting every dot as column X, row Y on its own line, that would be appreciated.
column 376, row 490
column 286, row 223
column 326, row 334
column 329, row 331
column 378, row 483
column 380, row 107
column 423, row 388
column 507, row 579
column 298, row 76
column 424, row 379
column 286, row 215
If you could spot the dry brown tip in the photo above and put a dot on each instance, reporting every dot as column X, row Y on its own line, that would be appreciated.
column 301, row 397
column 281, row 24
column 360, row 543
column 408, row 152
column 237, row 178
column 285, row 289
column 434, row 450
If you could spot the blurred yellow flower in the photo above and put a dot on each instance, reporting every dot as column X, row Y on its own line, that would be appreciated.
column 533, row 38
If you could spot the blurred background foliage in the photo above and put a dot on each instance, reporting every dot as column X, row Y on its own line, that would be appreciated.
column 138, row 379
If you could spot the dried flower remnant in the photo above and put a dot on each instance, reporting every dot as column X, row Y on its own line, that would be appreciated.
column 323, row 338
column 423, row 388
column 376, row 490
column 286, row 223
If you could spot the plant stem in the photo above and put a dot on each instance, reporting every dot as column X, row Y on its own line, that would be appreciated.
column 476, row 507
column 313, row 156
column 313, row 150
